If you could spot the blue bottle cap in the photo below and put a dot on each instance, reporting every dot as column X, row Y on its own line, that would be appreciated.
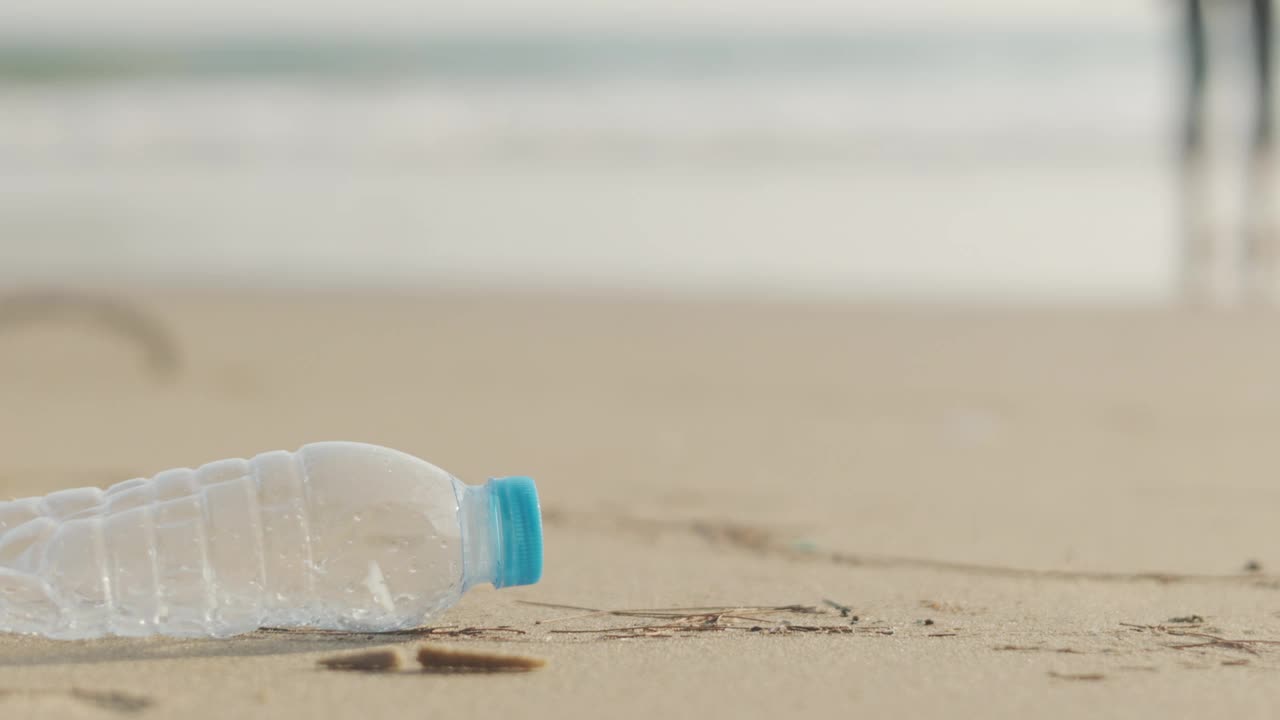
column 519, row 520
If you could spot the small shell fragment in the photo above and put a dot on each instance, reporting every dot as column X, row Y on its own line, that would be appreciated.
column 444, row 660
column 384, row 660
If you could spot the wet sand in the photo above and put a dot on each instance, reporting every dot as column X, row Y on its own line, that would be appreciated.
column 1016, row 504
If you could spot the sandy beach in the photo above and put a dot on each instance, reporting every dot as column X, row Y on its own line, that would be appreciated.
column 1032, row 512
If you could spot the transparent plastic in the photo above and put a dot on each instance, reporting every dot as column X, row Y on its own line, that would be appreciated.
column 336, row 535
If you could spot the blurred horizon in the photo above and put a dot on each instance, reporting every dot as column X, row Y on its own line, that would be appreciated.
column 155, row 18
column 897, row 151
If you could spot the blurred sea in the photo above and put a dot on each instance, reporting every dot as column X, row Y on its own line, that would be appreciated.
column 1026, row 162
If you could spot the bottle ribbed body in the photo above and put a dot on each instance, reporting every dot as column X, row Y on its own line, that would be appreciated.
column 335, row 535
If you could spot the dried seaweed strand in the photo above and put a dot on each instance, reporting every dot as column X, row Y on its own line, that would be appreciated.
column 1207, row 639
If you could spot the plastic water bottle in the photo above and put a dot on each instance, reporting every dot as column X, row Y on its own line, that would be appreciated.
column 336, row 535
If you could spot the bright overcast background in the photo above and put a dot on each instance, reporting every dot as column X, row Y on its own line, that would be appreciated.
column 19, row 17
column 987, row 147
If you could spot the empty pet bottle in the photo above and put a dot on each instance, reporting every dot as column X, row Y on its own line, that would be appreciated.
column 337, row 535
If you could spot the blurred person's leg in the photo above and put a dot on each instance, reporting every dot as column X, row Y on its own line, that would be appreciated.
column 1263, row 34
column 1198, row 276
column 1261, row 254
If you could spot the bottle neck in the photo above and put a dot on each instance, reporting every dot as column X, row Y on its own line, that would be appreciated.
column 481, row 541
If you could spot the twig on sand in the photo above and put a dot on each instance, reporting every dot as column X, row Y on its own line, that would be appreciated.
column 1206, row 640
column 118, row 315
column 689, row 620
column 437, row 631
column 678, row 611
column 1037, row 648
column 115, row 701
column 845, row 610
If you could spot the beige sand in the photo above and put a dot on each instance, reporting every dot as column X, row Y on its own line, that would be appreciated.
column 896, row 460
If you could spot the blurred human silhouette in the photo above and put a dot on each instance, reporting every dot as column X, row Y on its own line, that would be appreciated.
column 1221, row 263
